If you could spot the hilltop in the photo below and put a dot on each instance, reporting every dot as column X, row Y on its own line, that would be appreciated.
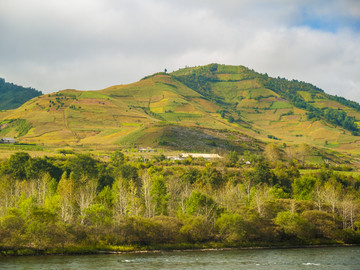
column 206, row 108
column 13, row 96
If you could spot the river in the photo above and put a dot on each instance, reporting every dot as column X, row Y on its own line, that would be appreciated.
column 298, row 258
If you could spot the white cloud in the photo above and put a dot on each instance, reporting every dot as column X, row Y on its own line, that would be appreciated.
column 308, row 55
column 92, row 44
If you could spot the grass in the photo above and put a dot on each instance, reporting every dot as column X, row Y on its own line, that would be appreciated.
column 94, row 95
column 314, row 171
column 281, row 105
column 21, row 147
column 178, row 117
column 261, row 92
column 305, row 95
column 332, row 144
column 131, row 138
column 128, row 114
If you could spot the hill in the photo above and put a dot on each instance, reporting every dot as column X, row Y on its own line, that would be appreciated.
column 195, row 109
column 13, row 96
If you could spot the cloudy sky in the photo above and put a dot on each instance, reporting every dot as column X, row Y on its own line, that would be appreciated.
column 92, row 44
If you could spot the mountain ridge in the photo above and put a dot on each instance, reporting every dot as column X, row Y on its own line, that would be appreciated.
column 225, row 107
column 13, row 96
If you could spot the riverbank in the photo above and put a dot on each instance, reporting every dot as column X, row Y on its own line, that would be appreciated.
column 183, row 247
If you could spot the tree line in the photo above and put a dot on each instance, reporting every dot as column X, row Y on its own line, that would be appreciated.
column 79, row 200
column 13, row 96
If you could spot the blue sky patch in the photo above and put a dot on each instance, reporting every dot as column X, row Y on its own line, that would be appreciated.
column 328, row 22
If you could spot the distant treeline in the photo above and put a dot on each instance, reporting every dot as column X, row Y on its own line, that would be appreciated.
column 78, row 200
column 13, row 96
column 346, row 102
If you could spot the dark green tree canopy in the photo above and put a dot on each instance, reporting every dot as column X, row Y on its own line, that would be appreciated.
column 13, row 96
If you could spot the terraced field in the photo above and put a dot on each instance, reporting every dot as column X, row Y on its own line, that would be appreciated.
column 181, row 110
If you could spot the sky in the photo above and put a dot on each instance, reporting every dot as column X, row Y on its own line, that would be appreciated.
column 93, row 44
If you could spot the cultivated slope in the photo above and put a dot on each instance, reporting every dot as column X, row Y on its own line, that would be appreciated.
column 201, row 108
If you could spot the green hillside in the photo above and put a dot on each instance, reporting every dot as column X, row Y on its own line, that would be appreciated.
column 207, row 108
column 13, row 96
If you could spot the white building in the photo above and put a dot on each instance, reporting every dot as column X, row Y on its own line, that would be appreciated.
column 199, row 155
column 7, row 140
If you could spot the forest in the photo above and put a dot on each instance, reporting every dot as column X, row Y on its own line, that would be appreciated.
column 76, row 202
column 13, row 96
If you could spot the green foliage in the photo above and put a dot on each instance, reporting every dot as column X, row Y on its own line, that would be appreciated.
column 160, row 158
column 117, row 158
column 197, row 229
column 339, row 117
column 65, row 151
column 97, row 215
column 129, row 172
column 231, row 119
column 272, row 137
column 303, row 187
column 294, row 225
column 231, row 227
column 12, row 227
column 262, row 173
column 290, row 89
column 213, row 177
column 82, row 164
column 159, row 195
column 190, row 175
column 324, row 224
column 36, row 167
column 346, row 102
column 13, row 96
column 200, row 204
column 285, row 176
column 74, row 201
column 199, row 81
column 227, row 90
column 21, row 126
column 16, row 165
column 42, row 229
column 291, row 112
column 139, row 230
column 162, row 205
column 233, row 158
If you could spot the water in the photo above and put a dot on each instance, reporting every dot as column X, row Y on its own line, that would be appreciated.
column 307, row 258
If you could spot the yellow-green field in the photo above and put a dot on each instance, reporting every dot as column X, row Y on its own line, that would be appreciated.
column 139, row 114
